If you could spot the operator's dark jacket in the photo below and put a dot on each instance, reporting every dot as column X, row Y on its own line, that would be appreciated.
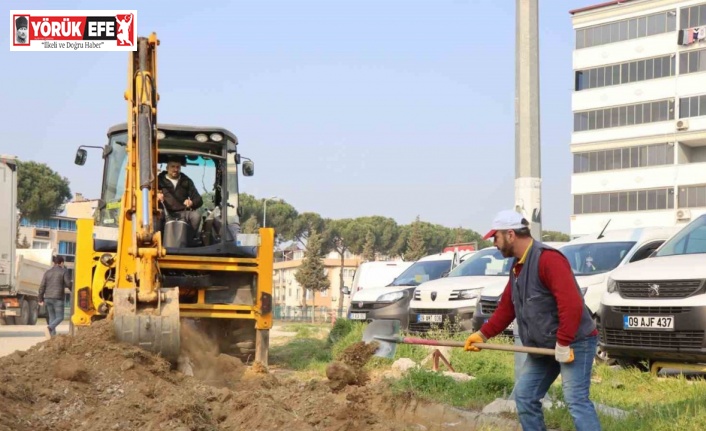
column 174, row 197
column 53, row 284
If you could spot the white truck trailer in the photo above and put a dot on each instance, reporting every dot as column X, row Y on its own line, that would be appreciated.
column 21, row 270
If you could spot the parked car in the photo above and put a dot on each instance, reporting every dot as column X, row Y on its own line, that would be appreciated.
column 377, row 274
column 655, row 309
column 451, row 301
column 392, row 301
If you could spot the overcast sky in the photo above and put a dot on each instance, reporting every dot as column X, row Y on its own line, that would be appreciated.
column 348, row 108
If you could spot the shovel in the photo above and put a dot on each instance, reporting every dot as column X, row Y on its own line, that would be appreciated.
column 386, row 333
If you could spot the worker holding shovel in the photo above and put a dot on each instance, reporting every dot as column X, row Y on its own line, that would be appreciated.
column 544, row 297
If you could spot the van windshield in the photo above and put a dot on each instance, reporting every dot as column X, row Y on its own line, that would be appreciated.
column 596, row 258
column 420, row 272
column 690, row 240
column 484, row 262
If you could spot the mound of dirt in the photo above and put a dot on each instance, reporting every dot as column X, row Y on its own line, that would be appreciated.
column 91, row 381
column 348, row 370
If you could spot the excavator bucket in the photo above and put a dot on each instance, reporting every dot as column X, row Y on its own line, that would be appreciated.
column 153, row 327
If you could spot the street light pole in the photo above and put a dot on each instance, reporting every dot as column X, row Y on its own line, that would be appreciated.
column 528, row 178
column 264, row 209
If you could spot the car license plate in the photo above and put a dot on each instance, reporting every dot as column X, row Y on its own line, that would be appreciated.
column 648, row 322
column 358, row 316
column 432, row 318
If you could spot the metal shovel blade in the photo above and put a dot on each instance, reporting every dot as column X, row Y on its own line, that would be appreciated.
column 382, row 328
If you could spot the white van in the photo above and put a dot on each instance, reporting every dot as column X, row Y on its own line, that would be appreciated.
column 593, row 258
column 377, row 274
column 656, row 309
column 392, row 302
column 452, row 299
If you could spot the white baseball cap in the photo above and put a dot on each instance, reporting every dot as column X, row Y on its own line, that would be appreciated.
column 505, row 220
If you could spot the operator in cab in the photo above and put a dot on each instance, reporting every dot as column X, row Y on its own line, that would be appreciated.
column 178, row 193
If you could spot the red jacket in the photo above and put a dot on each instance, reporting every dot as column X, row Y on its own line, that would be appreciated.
column 557, row 276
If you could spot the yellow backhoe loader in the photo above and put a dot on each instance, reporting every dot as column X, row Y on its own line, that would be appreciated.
column 148, row 268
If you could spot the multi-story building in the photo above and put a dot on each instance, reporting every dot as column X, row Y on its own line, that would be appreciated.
column 287, row 292
column 639, row 112
column 57, row 233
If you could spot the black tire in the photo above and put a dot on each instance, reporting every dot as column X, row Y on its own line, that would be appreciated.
column 33, row 312
column 23, row 318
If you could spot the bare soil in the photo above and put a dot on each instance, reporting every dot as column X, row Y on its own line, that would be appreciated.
column 91, row 381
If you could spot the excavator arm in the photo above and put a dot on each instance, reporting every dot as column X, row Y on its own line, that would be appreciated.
column 145, row 313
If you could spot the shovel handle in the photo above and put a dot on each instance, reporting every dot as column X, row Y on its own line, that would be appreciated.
column 488, row 346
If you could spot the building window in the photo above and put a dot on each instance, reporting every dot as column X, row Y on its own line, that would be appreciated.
column 66, row 247
column 618, row 116
column 692, row 61
column 626, row 29
column 43, row 245
column 625, row 73
column 56, row 224
column 692, row 196
column 693, row 16
column 624, row 158
column 631, row 200
column 693, row 106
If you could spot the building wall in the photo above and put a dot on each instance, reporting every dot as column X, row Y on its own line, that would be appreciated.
column 56, row 233
column 666, row 174
column 288, row 293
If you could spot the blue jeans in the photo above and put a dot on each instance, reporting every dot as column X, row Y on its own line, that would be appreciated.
column 55, row 310
column 538, row 373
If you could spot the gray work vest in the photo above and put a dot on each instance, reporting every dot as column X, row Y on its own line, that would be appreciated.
column 535, row 307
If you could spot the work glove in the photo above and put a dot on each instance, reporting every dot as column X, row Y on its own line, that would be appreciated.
column 563, row 354
column 476, row 337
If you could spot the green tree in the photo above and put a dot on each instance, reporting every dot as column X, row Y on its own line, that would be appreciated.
column 416, row 248
column 551, row 235
column 281, row 216
column 24, row 243
column 41, row 192
column 369, row 247
column 251, row 225
column 311, row 274
column 307, row 224
column 338, row 234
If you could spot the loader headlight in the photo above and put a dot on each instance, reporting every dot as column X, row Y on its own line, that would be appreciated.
column 216, row 137
column 201, row 137
column 391, row 297
column 160, row 134
column 107, row 259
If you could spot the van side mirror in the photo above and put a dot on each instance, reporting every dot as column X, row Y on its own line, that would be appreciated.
column 248, row 168
column 81, row 155
column 346, row 290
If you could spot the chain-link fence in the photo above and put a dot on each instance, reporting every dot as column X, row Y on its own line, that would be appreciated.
column 299, row 314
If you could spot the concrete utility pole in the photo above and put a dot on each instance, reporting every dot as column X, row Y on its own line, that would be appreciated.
column 528, row 178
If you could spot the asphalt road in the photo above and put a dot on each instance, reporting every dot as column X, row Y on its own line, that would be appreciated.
column 22, row 337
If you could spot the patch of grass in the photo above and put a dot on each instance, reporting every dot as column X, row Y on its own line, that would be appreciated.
column 305, row 330
column 470, row 394
column 302, row 354
column 655, row 404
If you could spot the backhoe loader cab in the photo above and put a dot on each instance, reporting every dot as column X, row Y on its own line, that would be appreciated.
column 209, row 158
column 131, row 261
